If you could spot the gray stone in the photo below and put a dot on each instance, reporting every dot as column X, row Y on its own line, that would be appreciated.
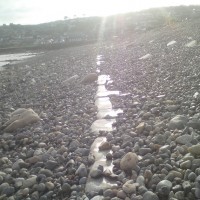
column 184, row 139
column 180, row 195
column 98, row 197
column 83, row 180
column 121, row 194
column 74, row 145
column 21, row 118
column 192, row 176
column 186, row 186
column 81, row 171
column 178, row 122
column 96, row 173
column 66, row 188
column 130, row 187
column 172, row 108
column 164, row 187
column 28, row 183
column 150, row 196
column 195, row 149
column 51, row 164
column 108, row 193
column 89, row 78
column 49, row 185
column 8, row 191
column 186, row 165
column 82, row 151
column 144, row 151
column 46, row 172
column 194, row 123
column 129, row 161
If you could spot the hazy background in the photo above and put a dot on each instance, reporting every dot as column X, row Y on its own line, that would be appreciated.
column 39, row 11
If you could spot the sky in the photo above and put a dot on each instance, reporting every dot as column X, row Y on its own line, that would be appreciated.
column 40, row 11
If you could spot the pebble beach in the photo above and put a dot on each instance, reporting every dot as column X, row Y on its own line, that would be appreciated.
column 153, row 149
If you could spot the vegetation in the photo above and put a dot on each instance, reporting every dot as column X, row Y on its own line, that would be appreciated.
column 83, row 30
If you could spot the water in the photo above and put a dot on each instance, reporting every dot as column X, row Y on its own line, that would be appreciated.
column 106, row 117
column 13, row 58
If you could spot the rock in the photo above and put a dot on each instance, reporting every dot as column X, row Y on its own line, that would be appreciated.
column 46, row 172
column 98, row 197
column 140, row 127
column 171, row 43
column 163, row 188
column 180, row 195
column 96, row 173
column 178, row 122
column 186, row 186
column 195, row 149
column 172, row 108
column 8, row 191
column 89, row 78
column 51, row 164
column 19, row 182
column 108, row 193
column 82, row 180
column 130, row 187
column 144, row 151
column 173, row 174
column 35, row 195
column 121, row 194
column 81, row 171
column 186, row 165
column 150, row 196
column 82, row 151
column 74, row 145
column 66, row 188
column 28, row 183
column 192, row 176
column 197, row 187
column 145, row 57
column 71, row 81
column 184, row 139
column 21, row 118
column 193, row 43
column 105, row 146
column 194, row 123
column 49, row 185
column 129, row 161
column 17, row 165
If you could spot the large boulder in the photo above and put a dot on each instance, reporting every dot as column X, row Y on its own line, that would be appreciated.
column 89, row 78
column 20, row 118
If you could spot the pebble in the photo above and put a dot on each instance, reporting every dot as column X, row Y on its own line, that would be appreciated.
column 49, row 185
column 184, row 139
column 66, row 188
column 178, row 122
column 150, row 196
column 186, row 165
column 140, row 128
column 194, row 149
column 81, row 171
column 194, row 123
column 129, row 161
column 28, row 183
column 51, row 164
column 163, row 188
column 105, row 146
column 130, row 187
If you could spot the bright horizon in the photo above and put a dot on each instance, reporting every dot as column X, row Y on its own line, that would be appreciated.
column 41, row 11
